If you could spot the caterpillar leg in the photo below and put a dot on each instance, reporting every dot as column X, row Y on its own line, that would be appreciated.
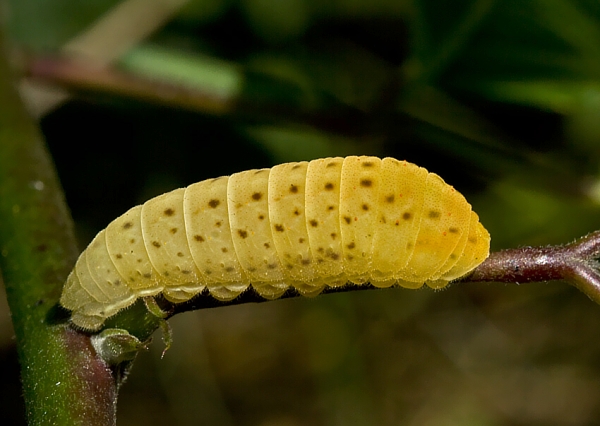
column 167, row 333
column 153, row 307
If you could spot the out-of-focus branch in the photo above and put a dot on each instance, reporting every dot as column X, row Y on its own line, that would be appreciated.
column 118, row 30
column 89, row 77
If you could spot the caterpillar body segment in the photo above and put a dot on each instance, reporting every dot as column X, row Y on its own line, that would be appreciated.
column 248, row 203
column 359, row 187
column 306, row 225
column 400, row 205
column 124, row 236
column 443, row 214
column 209, row 237
column 287, row 195
column 323, row 223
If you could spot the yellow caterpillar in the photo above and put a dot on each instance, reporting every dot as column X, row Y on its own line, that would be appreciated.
column 304, row 225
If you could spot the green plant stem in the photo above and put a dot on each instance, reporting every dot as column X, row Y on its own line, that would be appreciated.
column 64, row 382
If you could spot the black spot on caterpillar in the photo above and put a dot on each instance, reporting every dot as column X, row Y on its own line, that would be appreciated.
column 393, row 223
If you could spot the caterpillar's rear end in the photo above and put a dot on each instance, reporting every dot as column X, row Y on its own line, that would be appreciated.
column 307, row 225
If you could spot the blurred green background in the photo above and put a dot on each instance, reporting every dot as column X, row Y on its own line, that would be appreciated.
column 501, row 98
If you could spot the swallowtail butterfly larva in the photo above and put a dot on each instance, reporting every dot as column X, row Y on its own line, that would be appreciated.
column 304, row 225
